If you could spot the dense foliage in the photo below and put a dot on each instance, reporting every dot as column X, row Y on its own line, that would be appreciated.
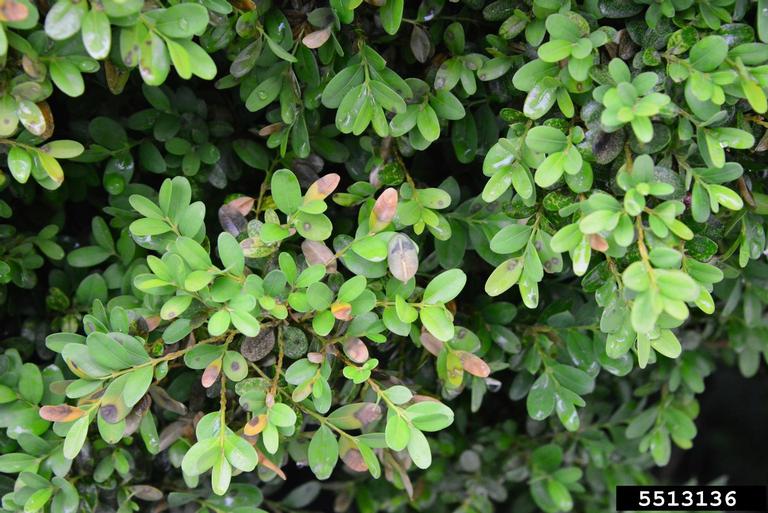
column 482, row 253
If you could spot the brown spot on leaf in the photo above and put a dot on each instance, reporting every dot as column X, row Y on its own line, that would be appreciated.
column 109, row 413
column 256, row 425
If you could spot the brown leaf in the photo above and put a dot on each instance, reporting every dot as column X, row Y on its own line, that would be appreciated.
column 354, row 460
column 11, row 10
column 152, row 322
column 256, row 425
column 368, row 414
column 32, row 67
column 762, row 145
column 322, row 188
column 243, row 204
column 384, row 210
column 211, row 373
column 61, row 413
column 232, row 220
column 420, row 44
column 302, row 391
column 146, row 493
column 356, row 350
column 315, row 357
column 256, row 348
column 394, row 472
column 474, row 364
column 174, row 431
column 244, row 5
column 342, row 311
column 318, row 253
column 48, row 116
column 165, row 401
column 60, row 387
column 267, row 463
column 317, row 38
column 116, row 77
column 430, row 343
column 402, row 257
column 598, row 243
column 268, row 130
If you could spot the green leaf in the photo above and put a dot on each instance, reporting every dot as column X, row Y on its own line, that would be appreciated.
column 555, row 50
column 511, row 238
column 428, row 124
column 286, row 191
column 545, row 139
column 16, row 462
column 64, row 19
column 504, row 277
column 264, row 93
column 397, row 433
column 392, row 15
column 667, row 344
column 281, row 415
column 154, row 60
column 88, row 256
column 19, row 163
column 444, row 287
column 183, row 20
column 245, row 323
column 540, row 99
column 278, row 50
column 438, row 321
column 231, row 253
column 708, row 53
column 430, row 415
column 75, row 438
column 418, row 449
column 323, row 452
column 541, row 398
column 97, row 34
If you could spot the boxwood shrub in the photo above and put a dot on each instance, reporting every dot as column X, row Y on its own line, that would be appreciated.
column 435, row 255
